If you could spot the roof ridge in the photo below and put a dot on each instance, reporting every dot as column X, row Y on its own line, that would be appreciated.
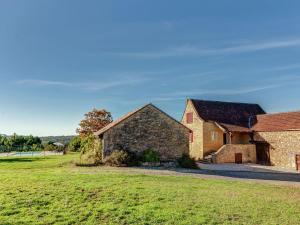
column 277, row 113
column 120, row 119
column 217, row 101
column 131, row 113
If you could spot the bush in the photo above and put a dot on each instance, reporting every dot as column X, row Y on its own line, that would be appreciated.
column 90, row 151
column 150, row 156
column 117, row 158
column 122, row 158
column 51, row 147
column 75, row 144
column 187, row 162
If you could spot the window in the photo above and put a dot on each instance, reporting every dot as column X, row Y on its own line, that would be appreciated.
column 191, row 136
column 189, row 117
column 214, row 136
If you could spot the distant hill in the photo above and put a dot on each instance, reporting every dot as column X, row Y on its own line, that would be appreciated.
column 62, row 139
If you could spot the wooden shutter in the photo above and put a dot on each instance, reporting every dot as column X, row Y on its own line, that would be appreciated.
column 189, row 117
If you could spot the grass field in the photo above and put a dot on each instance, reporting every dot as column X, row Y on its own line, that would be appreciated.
column 52, row 191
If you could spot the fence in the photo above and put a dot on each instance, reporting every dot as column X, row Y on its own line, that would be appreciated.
column 19, row 148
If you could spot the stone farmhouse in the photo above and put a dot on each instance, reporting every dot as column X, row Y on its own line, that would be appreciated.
column 143, row 129
column 227, row 132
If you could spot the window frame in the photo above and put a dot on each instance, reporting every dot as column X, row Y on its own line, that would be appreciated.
column 191, row 136
column 189, row 117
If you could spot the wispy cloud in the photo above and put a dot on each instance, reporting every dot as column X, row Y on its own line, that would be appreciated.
column 90, row 86
column 229, row 91
column 287, row 67
column 190, row 50
column 43, row 83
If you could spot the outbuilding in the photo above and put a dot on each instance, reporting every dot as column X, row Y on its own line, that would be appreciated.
column 277, row 139
column 147, row 128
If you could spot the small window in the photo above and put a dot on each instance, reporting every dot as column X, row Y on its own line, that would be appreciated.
column 191, row 136
column 189, row 117
column 214, row 136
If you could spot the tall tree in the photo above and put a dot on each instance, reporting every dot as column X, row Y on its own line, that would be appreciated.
column 94, row 121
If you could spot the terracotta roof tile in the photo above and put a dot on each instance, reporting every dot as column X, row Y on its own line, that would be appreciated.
column 234, row 128
column 278, row 122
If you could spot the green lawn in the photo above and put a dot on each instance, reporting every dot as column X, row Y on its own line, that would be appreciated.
column 52, row 191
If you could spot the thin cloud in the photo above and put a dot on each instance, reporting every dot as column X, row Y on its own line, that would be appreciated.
column 244, row 90
column 35, row 82
column 287, row 67
column 189, row 50
column 89, row 86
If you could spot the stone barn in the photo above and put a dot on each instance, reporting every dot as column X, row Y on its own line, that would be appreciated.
column 144, row 129
column 277, row 139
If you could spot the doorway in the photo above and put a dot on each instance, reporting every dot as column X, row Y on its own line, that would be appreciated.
column 263, row 153
column 224, row 138
column 238, row 158
column 297, row 162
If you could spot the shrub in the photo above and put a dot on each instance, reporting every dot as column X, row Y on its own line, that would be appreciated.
column 150, row 156
column 90, row 151
column 187, row 162
column 75, row 144
column 51, row 147
column 117, row 158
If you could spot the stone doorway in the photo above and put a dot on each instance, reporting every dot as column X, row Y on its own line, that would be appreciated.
column 238, row 158
column 263, row 153
column 297, row 162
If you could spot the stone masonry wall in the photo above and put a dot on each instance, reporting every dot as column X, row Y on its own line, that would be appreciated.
column 147, row 129
column 210, row 144
column 196, row 147
column 227, row 153
column 284, row 146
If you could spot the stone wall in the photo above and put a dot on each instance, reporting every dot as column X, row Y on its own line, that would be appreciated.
column 210, row 144
column 226, row 154
column 240, row 138
column 147, row 129
column 196, row 147
column 284, row 146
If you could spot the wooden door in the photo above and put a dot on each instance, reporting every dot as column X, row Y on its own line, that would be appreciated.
column 298, row 162
column 263, row 153
column 238, row 158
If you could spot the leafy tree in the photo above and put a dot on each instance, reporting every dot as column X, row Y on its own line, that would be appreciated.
column 75, row 144
column 90, row 150
column 19, row 143
column 94, row 121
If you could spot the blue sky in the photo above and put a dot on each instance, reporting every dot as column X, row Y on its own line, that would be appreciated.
column 59, row 58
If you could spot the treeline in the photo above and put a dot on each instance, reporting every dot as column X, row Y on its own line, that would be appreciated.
column 26, row 143
column 20, row 143
column 61, row 139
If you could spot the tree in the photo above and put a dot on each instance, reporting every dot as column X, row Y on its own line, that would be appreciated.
column 75, row 144
column 94, row 121
column 90, row 150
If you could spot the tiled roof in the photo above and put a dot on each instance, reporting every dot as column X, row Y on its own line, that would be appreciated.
column 234, row 128
column 278, row 122
column 234, row 116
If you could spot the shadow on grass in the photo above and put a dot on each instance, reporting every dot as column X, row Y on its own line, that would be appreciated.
column 20, row 159
column 266, row 175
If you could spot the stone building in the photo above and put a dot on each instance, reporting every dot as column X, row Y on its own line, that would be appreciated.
column 143, row 129
column 221, row 129
column 277, row 139
column 226, row 132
